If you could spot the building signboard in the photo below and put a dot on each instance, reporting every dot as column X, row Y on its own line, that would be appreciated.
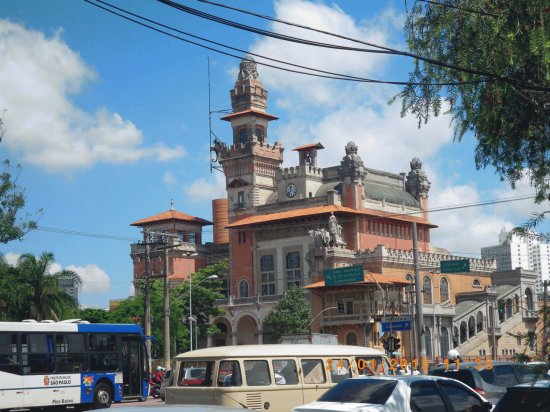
column 344, row 276
column 454, row 266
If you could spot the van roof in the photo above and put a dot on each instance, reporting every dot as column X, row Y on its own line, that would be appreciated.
column 276, row 350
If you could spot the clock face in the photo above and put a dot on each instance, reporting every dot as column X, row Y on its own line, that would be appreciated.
column 291, row 190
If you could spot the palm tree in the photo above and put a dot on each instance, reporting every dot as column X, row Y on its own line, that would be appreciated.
column 43, row 297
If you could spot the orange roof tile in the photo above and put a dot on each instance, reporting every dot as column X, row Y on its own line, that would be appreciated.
column 249, row 111
column 171, row 215
column 369, row 278
column 319, row 210
column 309, row 146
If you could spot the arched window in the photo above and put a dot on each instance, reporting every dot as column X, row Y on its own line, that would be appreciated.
column 529, row 299
column 351, row 339
column 508, row 308
column 427, row 288
column 428, row 342
column 456, row 342
column 476, row 283
column 463, row 332
column 479, row 321
column 516, row 304
column 243, row 136
column 243, row 289
column 444, row 341
column 471, row 327
column 443, row 290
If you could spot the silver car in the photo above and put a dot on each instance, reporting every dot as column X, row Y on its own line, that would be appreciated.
column 399, row 394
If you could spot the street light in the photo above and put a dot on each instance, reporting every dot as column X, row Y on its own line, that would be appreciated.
column 191, row 319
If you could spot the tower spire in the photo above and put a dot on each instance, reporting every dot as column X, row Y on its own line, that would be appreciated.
column 171, row 202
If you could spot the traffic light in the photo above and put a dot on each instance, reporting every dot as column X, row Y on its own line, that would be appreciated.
column 391, row 344
column 386, row 344
column 341, row 308
column 396, row 344
column 500, row 306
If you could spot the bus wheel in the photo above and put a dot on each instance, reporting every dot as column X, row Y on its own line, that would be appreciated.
column 103, row 396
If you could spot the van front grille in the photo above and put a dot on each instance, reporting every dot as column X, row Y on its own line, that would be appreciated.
column 254, row 401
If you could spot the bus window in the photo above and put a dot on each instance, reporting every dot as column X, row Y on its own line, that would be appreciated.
column 103, row 352
column 257, row 373
column 314, row 372
column 9, row 361
column 339, row 370
column 197, row 373
column 70, row 353
column 229, row 374
column 39, row 353
column 285, row 372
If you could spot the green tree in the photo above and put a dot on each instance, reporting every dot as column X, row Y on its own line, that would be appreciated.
column 497, row 55
column 42, row 297
column 94, row 315
column 12, row 201
column 291, row 315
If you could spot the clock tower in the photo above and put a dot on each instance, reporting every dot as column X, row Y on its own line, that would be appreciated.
column 250, row 162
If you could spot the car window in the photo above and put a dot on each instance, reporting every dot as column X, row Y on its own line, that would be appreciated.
column 375, row 391
column 339, row 370
column 504, row 375
column 313, row 371
column 425, row 397
column 525, row 399
column 461, row 399
column 526, row 373
column 464, row 376
column 257, row 373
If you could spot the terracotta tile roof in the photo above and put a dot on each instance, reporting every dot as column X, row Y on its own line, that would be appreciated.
column 250, row 111
column 320, row 210
column 369, row 278
column 309, row 146
column 171, row 215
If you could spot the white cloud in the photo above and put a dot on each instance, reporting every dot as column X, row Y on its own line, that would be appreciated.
column 12, row 258
column 38, row 76
column 169, row 179
column 203, row 190
column 94, row 279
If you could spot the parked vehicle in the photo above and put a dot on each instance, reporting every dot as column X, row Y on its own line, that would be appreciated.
column 527, row 397
column 271, row 378
column 399, row 394
column 488, row 380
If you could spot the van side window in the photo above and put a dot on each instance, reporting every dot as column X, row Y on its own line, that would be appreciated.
column 195, row 373
column 340, row 370
column 229, row 374
column 285, row 372
column 257, row 373
column 365, row 366
column 314, row 372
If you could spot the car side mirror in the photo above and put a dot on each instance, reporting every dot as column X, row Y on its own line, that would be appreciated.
column 487, row 406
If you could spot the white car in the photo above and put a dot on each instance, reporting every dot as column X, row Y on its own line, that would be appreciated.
column 399, row 394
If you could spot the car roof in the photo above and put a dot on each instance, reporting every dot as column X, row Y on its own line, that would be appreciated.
column 408, row 379
column 536, row 385
column 177, row 408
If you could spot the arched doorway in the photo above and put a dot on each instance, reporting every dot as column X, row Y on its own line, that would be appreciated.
column 246, row 329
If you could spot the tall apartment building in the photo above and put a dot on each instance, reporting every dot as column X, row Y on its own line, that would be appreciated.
column 514, row 252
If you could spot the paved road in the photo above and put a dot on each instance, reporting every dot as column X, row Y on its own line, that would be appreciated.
column 149, row 402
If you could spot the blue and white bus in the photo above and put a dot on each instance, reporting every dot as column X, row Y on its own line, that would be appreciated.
column 56, row 364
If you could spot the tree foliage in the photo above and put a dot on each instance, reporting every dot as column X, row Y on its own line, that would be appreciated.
column 30, row 291
column 291, row 315
column 13, row 225
column 497, row 54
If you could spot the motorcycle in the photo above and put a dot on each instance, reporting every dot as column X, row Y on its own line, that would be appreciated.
column 155, row 389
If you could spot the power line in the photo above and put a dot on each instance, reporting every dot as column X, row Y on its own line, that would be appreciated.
column 85, row 234
column 383, row 49
column 324, row 73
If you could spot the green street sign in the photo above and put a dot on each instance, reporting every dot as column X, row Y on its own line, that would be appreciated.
column 454, row 266
column 344, row 276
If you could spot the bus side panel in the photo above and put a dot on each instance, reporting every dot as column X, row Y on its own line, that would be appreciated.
column 90, row 380
column 11, row 390
column 51, row 389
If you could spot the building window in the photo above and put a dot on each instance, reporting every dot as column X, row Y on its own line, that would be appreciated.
column 427, row 289
column 444, row 341
column 243, row 289
column 428, row 342
column 293, row 272
column 351, row 339
column 192, row 237
column 349, row 307
column 240, row 200
column 242, row 237
column 267, row 268
column 443, row 290
column 479, row 321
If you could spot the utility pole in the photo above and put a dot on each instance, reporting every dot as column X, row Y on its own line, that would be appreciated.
column 166, row 299
column 147, row 294
column 419, row 310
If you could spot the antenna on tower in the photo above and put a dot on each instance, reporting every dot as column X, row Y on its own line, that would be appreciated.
column 214, row 143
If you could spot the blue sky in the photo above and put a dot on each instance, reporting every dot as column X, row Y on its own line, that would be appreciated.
column 109, row 120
